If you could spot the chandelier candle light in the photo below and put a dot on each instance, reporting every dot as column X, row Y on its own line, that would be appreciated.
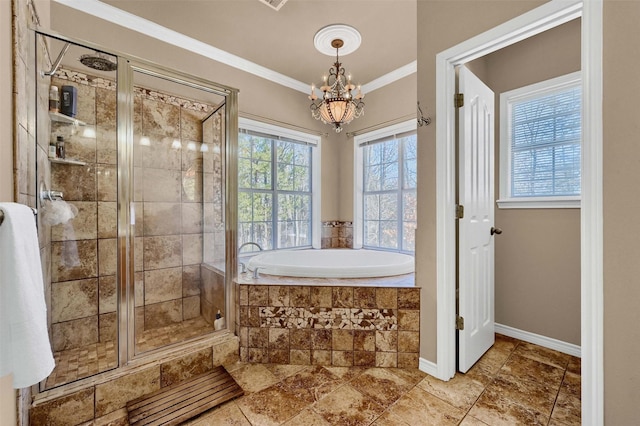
column 338, row 105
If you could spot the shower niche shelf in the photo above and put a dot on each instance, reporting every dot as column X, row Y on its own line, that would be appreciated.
column 61, row 118
column 67, row 161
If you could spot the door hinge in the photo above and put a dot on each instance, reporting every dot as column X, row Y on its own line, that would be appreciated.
column 458, row 100
column 459, row 323
column 459, row 211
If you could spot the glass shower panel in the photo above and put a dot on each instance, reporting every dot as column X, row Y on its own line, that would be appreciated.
column 77, row 180
column 175, row 152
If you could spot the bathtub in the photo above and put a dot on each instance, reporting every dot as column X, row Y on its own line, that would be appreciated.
column 332, row 263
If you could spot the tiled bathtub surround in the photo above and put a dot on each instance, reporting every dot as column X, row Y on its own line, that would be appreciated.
column 337, row 234
column 321, row 325
column 212, row 297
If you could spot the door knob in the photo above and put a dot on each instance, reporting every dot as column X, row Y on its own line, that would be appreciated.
column 496, row 231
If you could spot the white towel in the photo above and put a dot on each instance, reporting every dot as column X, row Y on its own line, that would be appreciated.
column 25, row 350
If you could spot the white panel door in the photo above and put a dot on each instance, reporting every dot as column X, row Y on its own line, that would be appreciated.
column 476, row 194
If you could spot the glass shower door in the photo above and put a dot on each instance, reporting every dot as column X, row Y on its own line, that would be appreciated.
column 177, row 181
column 76, row 178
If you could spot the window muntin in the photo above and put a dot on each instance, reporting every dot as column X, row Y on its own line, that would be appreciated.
column 275, row 198
column 389, row 192
column 540, row 144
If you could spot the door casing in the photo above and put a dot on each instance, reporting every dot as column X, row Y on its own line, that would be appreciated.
column 549, row 15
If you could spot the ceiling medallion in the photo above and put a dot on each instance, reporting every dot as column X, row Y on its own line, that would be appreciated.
column 338, row 105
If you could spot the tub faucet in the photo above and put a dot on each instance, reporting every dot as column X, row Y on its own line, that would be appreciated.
column 249, row 243
column 256, row 275
column 243, row 268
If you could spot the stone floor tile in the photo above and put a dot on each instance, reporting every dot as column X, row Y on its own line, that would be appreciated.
column 381, row 385
column 567, row 410
column 539, row 396
column 227, row 415
column 496, row 410
column 307, row 417
column 271, row 406
column 545, row 355
column 461, row 391
column 253, row 377
column 527, row 368
column 347, row 407
column 418, row 404
column 471, row 421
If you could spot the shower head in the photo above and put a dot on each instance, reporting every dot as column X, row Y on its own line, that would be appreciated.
column 98, row 62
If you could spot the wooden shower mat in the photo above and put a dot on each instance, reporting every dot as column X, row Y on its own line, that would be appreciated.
column 176, row 403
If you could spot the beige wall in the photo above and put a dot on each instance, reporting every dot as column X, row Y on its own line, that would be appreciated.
column 537, row 286
column 7, row 394
column 621, row 158
column 435, row 34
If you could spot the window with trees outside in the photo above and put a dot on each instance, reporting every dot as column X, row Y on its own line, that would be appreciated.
column 276, row 185
column 387, row 183
column 540, row 141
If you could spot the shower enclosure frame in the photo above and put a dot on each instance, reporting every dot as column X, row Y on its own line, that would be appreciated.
column 127, row 66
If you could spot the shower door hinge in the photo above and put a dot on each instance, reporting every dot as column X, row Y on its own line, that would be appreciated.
column 459, row 323
column 458, row 100
column 459, row 211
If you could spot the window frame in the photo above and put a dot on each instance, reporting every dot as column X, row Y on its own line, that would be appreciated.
column 314, row 141
column 506, row 200
column 359, row 141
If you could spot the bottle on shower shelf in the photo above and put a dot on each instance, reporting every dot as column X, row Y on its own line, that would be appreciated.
column 54, row 99
column 218, row 324
column 60, row 147
column 53, row 150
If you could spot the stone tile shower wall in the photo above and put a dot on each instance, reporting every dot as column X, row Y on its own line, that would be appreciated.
column 338, row 326
column 337, row 234
column 168, row 195
column 83, row 254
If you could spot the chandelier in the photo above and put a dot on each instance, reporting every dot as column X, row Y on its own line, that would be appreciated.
column 338, row 105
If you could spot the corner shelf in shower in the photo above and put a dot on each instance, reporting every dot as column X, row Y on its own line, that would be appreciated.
column 61, row 118
column 67, row 161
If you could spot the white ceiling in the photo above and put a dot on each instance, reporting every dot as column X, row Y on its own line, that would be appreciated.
column 269, row 41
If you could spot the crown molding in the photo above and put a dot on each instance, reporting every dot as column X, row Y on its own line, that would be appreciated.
column 395, row 75
column 143, row 26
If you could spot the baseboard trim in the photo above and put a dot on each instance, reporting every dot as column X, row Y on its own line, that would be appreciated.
column 431, row 368
column 547, row 342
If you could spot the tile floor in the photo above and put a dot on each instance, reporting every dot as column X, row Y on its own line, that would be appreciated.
column 513, row 383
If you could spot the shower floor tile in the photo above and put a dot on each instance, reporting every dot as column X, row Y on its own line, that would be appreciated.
column 78, row 363
column 511, row 384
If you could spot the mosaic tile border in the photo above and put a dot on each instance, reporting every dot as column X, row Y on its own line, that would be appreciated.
column 103, row 83
column 329, row 318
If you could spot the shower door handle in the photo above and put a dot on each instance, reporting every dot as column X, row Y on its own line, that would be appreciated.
column 496, row 231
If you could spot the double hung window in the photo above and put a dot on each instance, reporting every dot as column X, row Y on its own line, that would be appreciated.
column 387, row 184
column 540, row 144
column 276, row 186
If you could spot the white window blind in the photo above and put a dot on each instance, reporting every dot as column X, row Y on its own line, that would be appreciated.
column 543, row 136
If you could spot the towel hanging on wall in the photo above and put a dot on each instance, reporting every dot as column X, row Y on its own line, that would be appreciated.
column 25, row 350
